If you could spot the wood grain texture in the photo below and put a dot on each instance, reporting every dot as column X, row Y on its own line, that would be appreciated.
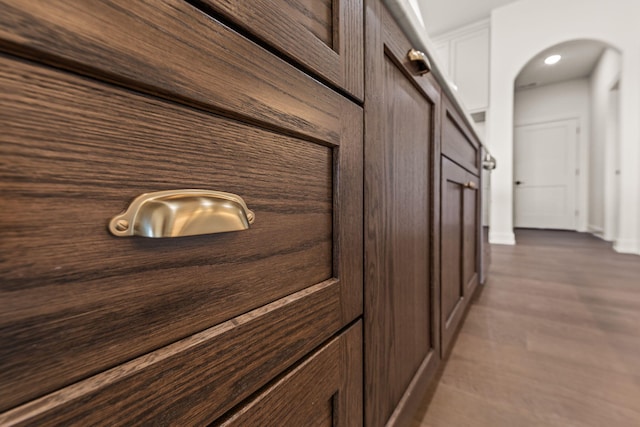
column 400, row 113
column 452, row 205
column 74, row 153
column 412, row 398
column 459, row 250
column 458, row 143
column 325, row 389
column 348, row 256
column 171, row 49
column 552, row 340
column 406, row 239
column 288, row 25
column 398, row 46
column 195, row 380
column 351, row 42
column 324, row 36
column 470, row 234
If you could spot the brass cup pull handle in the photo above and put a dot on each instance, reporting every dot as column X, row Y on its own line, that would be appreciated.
column 421, row 60
column 472, row 185
column 177, row 213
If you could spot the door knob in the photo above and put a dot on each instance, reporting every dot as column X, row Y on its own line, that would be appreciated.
column 519, row 182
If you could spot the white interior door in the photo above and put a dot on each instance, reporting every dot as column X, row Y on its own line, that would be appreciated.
column 545, row 175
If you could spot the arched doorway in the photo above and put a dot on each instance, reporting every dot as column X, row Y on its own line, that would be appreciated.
column 563, row 167
column 518, row 33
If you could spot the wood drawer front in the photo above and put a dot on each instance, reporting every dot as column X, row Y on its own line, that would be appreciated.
column 325, row 36
column 458, row 143
column 196, row 380
column 169, row 48
column 74, row 152
column 325, row 389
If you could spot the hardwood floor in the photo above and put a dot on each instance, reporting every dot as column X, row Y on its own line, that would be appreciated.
column 553, row 339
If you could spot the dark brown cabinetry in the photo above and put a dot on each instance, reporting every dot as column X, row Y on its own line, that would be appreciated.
column 458, row 253
column 324, row 36
column 402, row 112
column 459, row 227
column 356, row 270
column 103, row 101
column 421, row 222
column 324, row 389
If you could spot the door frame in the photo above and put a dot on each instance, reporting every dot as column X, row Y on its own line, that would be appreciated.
column 582, row 163
column 612, row 164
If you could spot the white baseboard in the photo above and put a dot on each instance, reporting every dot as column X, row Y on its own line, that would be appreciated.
column 596, row 231
column 502, row 238
column 627, row 246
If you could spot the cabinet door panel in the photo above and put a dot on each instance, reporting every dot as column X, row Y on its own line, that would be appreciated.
column 453, row 248
column 458, row 246
column 400, row 126
column 407, row 134
column 324, row 35
column 470, row 233
column 452, row 291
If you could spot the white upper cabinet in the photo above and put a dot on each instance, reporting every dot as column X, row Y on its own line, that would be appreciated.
column 464, row 55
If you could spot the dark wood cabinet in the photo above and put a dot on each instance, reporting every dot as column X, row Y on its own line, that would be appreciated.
column 401, row 130
column 325, row 36
column 324, row 389
column 459, row 246
column 459, row 227
column 103, row 101
column 335, row 307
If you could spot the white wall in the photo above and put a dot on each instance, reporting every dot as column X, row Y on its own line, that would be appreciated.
column 612, row 166
column 521, row 30
column 604, row 76
column 562, row 101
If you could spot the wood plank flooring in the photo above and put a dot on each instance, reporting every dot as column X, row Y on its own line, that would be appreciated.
column 553, row 339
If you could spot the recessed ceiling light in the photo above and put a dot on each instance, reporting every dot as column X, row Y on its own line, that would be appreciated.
column 553, row 59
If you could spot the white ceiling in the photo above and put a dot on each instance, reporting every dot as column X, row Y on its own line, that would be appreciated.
column 441, row 16
column 579, row 58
